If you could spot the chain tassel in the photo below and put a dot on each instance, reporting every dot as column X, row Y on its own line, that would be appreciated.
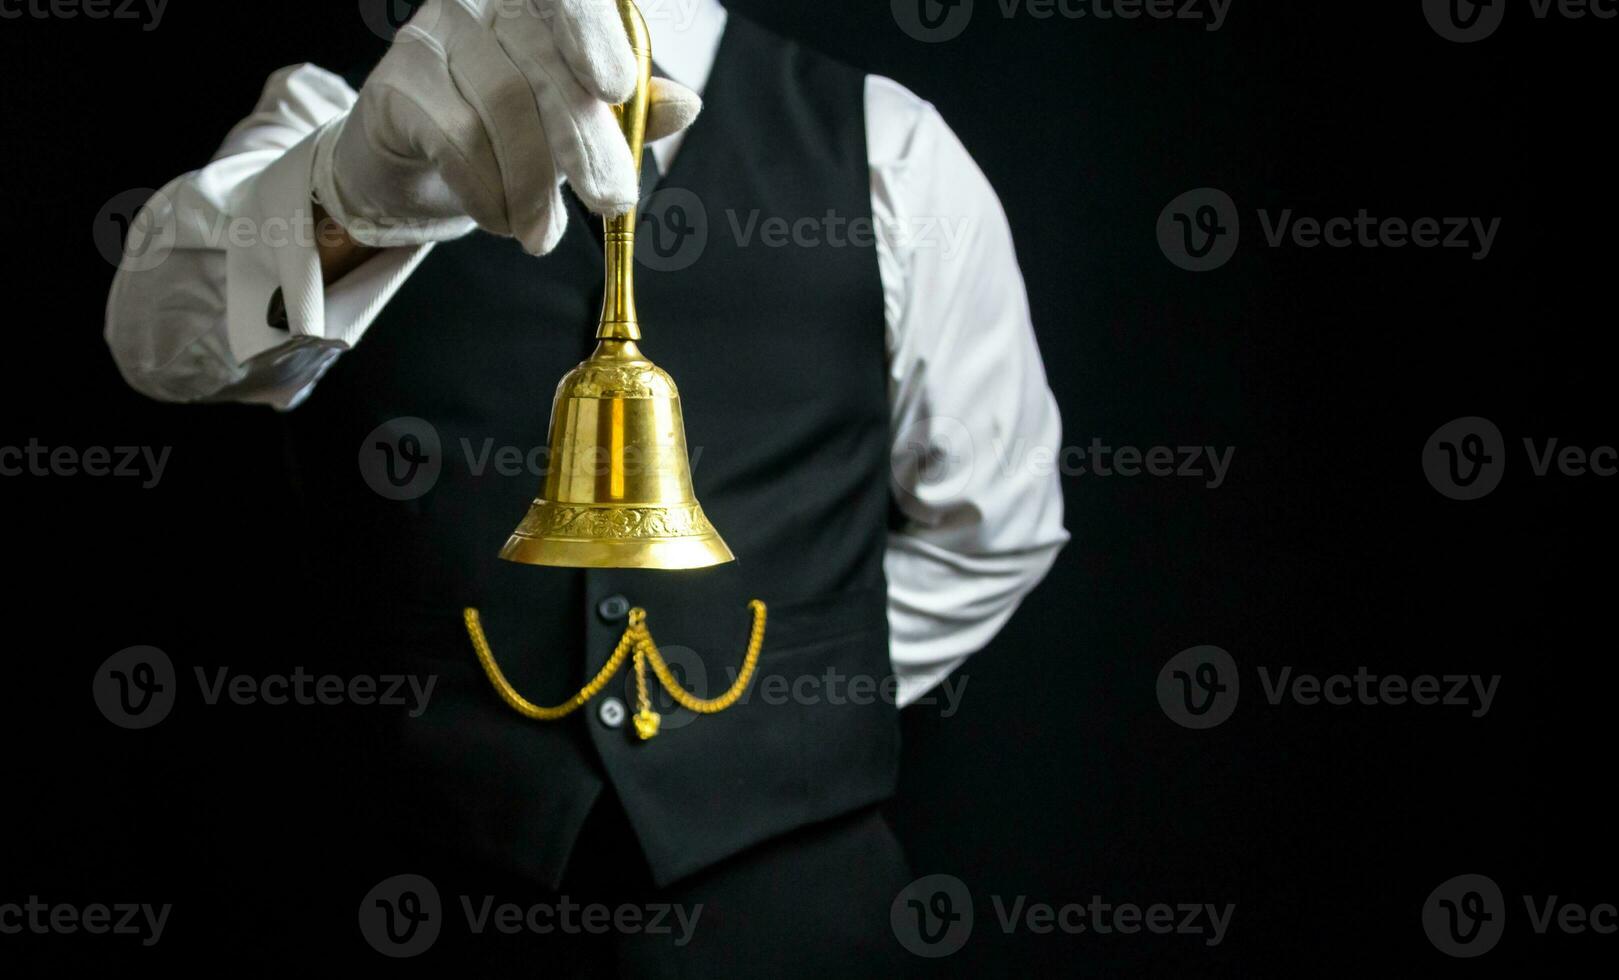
column 637, row 640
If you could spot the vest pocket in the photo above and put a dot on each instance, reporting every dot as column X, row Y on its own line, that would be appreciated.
column 796, row 625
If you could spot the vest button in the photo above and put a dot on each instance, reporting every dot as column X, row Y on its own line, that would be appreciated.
column 611, row 712
column 613, row 608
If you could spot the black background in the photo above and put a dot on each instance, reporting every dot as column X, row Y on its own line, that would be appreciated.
column 1060, row 777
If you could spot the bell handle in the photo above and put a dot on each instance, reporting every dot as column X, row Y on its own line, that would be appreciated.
column 618, row 319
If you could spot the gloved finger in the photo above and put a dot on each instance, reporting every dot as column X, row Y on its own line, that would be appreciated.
column 585, row 140
column 591, row 36
column 592, row 154
column 674, row 107
column 515, row 123
column 550, row 221
column 438, row 201
column 403, row 120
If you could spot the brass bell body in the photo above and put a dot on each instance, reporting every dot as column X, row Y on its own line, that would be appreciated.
column 617, row 491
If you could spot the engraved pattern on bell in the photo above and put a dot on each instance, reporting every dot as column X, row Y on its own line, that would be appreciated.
column 596, row 379
column 677, row 521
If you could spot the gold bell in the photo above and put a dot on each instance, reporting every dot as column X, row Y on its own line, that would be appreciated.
column 617, row 491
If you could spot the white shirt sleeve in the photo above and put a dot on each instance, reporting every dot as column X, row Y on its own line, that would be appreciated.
column 975, row 427
column 188, row 317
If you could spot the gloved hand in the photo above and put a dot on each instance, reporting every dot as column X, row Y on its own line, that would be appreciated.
column 475, row 116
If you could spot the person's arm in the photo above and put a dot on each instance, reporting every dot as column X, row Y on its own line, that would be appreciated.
column 972, row 413
column 247, row 291
column 473, row 118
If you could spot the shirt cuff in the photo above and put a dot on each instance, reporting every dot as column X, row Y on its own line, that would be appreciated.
column 274, row 289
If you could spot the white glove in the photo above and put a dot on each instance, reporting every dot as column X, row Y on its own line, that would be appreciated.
column 475, row 116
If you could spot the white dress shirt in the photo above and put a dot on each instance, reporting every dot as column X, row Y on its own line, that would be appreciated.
column 973, row 417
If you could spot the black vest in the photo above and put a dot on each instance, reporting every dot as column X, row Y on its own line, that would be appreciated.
column 778, row 351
